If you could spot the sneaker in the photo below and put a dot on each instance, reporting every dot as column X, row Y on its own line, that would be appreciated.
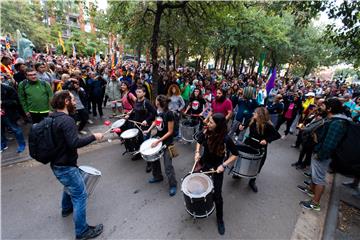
column 350, row 184
column 172, row 191
column 90, row 122
column 4, row 148
column 307, row 183
column 21, row 148
column 295, row 164
column 306, row 174
column 305, row 190
column 283, row 137
column 221, row 227
column 294, row 146
column 154, row 180
column 253, row 186
column 83, row 132
column 300, row 167
column 65, row 213
column 92, row 232
column 310, row 205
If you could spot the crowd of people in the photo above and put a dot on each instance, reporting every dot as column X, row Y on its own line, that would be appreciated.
column 229, row 110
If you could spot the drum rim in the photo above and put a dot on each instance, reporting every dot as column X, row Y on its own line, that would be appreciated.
column 128, row 131
column 151, row 140
column 95, row 172
column 204, row 194
column 202, row 216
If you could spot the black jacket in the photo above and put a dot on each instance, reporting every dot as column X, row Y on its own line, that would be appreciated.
column 67, row 140
column 10, row 103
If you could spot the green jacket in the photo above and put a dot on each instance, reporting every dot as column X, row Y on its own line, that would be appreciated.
column 35, row 96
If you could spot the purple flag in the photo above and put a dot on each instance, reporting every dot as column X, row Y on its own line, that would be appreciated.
column 271, row 82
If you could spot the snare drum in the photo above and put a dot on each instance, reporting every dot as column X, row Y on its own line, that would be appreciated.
column 198, row 190
column 188, row 128
column 131, row 139
column 149, row 153
column 91, row 178
column 248, row 163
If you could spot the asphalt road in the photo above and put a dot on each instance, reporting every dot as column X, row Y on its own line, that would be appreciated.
column 130, row 208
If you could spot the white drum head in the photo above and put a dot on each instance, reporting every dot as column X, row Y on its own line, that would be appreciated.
column 130, row 133
column 146, row 149
column 90, row 170
column 197, row 185
column 118, row 123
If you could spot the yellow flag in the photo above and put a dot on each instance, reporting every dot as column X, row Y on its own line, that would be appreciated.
column 61, row 42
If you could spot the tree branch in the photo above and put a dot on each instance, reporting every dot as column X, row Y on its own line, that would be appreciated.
column 175, row 5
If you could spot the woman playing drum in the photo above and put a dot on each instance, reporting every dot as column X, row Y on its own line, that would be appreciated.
column 261, row 133
column 216, row 143
column 164, row 123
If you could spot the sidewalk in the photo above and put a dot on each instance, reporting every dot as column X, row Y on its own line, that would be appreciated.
column 10, row 156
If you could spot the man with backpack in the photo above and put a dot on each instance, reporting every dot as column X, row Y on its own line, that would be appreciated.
column 328, row 138
column 35, row 96
column 64, row 163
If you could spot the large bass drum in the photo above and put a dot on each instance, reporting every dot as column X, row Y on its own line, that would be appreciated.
column 198, row 190
column 248, row 162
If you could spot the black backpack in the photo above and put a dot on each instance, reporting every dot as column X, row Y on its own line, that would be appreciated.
column 346, row 157
column 42, row 146
column 309, row 134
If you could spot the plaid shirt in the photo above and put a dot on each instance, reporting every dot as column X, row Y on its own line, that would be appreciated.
column 330, row 137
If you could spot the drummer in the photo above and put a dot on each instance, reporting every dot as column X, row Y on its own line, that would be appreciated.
column 164, row 123
column 261, row 132
column 145, row 113
column 196, row 107
column 216, row 143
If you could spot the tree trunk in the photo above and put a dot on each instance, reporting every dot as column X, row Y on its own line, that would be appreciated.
column 167, row 48
column 227, row 59
column 223, row 59
column 253, row 64
column 306, row 72
column 154, row 46
column 235, row 66
column 242, row 65
column 174, row 54
column 217, row 56
column 138, row 53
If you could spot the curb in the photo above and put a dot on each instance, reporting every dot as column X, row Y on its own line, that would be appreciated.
column 310, row 224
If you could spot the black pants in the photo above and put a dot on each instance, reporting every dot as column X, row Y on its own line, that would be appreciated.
column 169, row 169
column 217, row 179
column 307, row 152
column 82, row 116
column 97, row 102
column 37, row 117
column 289, row 122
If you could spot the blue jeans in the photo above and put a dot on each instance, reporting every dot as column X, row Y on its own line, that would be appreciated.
column 6, row 122
column 73, row 181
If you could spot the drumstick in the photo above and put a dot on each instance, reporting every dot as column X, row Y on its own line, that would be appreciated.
column 212, row 171
column 134, row 121
column 107, row 131
column 192, row 170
